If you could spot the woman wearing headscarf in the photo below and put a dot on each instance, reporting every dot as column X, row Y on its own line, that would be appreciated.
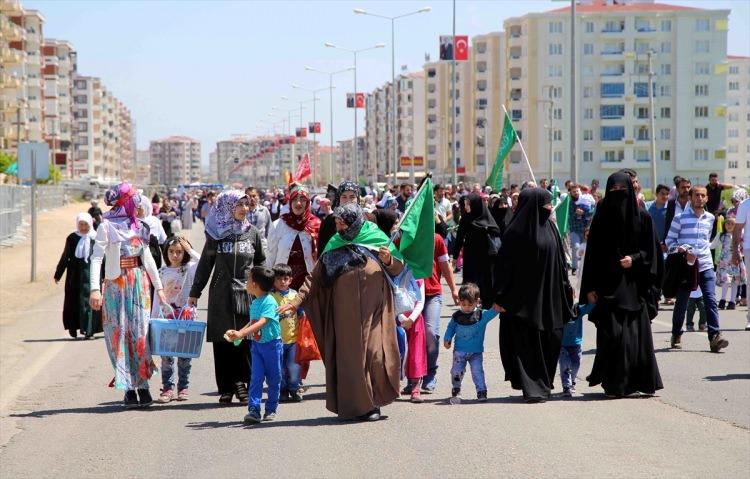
column 77, row 313
column 125, row 292
column 350, row 306
column 622, row 277
column 347, row 192
column 385, row 219
column 167, row 215
column 476, row 232
column 157, row 235
column 233, row 246
column 533, row 296
column 294, row 239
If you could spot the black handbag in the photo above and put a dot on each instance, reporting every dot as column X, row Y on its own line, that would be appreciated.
column 493, row 244
column 240, row 298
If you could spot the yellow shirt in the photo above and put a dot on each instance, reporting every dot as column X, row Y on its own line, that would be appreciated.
column 288, row 321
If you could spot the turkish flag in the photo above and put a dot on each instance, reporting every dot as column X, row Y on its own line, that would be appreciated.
column 462, row 47
column 303, row 170
column 360, row 100
column 317, row 127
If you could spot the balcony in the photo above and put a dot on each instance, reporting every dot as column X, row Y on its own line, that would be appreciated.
column 515, row 52
column 515, row 31
column 515, row 73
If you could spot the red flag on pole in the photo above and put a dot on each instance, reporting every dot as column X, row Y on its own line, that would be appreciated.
column 462, row 47
column 303, row 170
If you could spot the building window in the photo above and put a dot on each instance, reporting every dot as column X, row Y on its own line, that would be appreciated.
column 588, row 114
column 641, row 89
column 702, row 46
column 641, row 133
column 555, row 27
column 588, row 91
column 666, row 112
column 734, row 70
column 588, row 135
column 665, row 134
column 555, row 49
column 588, row 156
column 700, row 154
column 666, row 25
column 666, row 47
column 665, row 90
column 588, row 48
column 665, row 155
column 589, row 27
column 614, row 26
column 702, row 25
column 701, row 134
column 641, row 112
column 557, row 113
column 733, row 133
column 557, row 156
column 734, row 85
column 611, row 90
column 701, row 90
column 641, row 156
column 733, row 149
column 611, row 111
column 666, row 69
column 555, row 71
column 516, row 115
column 702, row 68
column 701, row 112
column 612, row 133
column 614, row 156
column 732, row 165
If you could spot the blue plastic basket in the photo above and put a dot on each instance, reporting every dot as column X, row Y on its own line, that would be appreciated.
column 178, row 338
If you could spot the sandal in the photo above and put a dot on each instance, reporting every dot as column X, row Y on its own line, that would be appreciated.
column 240, row 391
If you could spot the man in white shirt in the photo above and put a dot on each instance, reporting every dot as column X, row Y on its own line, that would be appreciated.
column 743, row 217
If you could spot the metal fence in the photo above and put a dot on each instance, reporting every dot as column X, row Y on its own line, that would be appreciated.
column 15, row 204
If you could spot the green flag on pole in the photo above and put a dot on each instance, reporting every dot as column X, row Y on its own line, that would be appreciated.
column 417, row 230
column 561, row 214
column 507, row 140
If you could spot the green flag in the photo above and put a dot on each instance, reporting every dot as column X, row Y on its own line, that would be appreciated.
column 369, row 236
column 561, row 214
column 417, row 229
column 507, row 140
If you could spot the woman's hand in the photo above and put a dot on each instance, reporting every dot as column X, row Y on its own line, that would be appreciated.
column 232, row 335
column 498, row 308
column 162, row 296
column 626, row 262
column 192, row 302
column 592, row 297
column 407, row 323
column 95, row 300
column 285, row 308
column 385, row 256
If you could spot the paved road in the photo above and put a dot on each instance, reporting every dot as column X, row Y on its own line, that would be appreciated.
column 58, row 419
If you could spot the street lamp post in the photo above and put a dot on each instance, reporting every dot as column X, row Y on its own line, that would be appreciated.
column 330, row 127
column 394, row 151
column 355, row 52
column 315, row 134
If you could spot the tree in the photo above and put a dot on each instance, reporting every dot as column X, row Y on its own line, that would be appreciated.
column 6, row 159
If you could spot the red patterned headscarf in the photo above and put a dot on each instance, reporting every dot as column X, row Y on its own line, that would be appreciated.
column 307, row 221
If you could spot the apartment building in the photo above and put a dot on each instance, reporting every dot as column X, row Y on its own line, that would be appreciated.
column 738, row 120
column 410, row 125
column 13, row 114
column 142, row 168
column 175, row 160
column 58, row 72
column 688, row 50
column 346, row 159
column 273, row 156
column 213, row 175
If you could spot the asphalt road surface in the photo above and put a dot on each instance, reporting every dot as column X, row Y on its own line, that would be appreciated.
column 59, row 419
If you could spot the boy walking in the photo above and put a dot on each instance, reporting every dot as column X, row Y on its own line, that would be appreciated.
column 290, row 369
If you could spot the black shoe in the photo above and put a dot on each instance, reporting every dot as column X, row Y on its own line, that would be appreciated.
column 226, row 398
column 131, row 400
column 252, row 417
column 690, row 328
column 731, row 305
column 240, row 390
column 722, row 304
column 482, row 396
column 73, row 333
column 284, row 396
column 144, row 398
column 373, row 415
column 573, row 272
column 295, row 396
column 269, row 416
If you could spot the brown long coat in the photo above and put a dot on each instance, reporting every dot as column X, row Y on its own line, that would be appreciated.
column 354, row 325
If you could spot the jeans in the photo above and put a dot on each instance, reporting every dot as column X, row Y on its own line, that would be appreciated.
column 707, row 283
column 167, row 373
column 575, row 242
column 477, row 369
column 290, row 370
column 431, row 314
column 570, row 361
column 693, row 304
column 266, row 364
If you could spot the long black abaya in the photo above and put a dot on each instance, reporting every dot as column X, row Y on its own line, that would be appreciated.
column 533, row 288
column 77, row 313
column 625, row 362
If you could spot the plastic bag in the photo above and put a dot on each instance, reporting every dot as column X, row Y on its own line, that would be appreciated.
column 307, row 347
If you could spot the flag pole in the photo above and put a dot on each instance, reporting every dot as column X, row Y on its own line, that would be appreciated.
column 523, row 150
column 397, row 233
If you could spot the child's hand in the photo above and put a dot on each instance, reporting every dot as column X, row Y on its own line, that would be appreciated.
column 231, row 335
column 285, row 308
column 447, row 344
column 498, row 308
column 407, row 323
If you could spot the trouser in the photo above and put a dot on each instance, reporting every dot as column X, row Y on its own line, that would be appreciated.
column 290, row 370
column 231, row 365
column 731, row 289
column 707, row 283
column 696, row 304
column 167, row 373
column 570, row 361
column 431, row 314
column 575, row 242
column 266, row 365
column 475, row 364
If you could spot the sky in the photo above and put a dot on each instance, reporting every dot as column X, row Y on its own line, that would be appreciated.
column 211, row 69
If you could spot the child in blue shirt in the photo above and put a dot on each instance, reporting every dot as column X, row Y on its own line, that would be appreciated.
column 265, row 346
column 468, row 325
column 570, row 351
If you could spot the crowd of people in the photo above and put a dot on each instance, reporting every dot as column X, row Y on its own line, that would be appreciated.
column 283, row 262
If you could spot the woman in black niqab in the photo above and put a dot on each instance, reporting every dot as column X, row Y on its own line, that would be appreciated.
column 475, row 231
column 533, row 290
column 622, row 276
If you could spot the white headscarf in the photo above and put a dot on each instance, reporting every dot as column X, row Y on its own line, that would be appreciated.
column 154, row 225
column 83, row 248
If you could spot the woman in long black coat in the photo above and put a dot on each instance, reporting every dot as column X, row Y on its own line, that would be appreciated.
column 533, row 295
column 77, row 313
column 476, row 230
column 233, row 246
column 622, row 276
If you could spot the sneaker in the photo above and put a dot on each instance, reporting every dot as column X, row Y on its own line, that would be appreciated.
column 722, row 304
column 182, row 395
column 252, row 417
column 165, row 396
column 572, row 390
column 455, row 396
column 428, row 385
column 373, row 415
column 416, row 397
column 407, row 390
column 675, row 342
column 131, row 400
column 731, row 305
column 718, row 343
column 481, row 396
column 566, row 392
column 269, row 416
column 690, row 328
column 144, row 398
column 296, row 396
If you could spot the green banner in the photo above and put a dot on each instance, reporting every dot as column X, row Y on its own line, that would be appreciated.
column 507, row 140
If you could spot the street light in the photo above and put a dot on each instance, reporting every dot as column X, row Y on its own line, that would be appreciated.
column 394, row 152
column 300, row 108
column 315, row 134
column 355, row 52
column 330, row 127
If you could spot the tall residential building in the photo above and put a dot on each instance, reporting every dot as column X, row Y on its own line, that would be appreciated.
column 410, row 125
column 175, row 160
column 273, row 156
column 688, row 48
column 738, row 120
column 346, row 158
column 58, row 71
column 13, row 109
column 142, row 167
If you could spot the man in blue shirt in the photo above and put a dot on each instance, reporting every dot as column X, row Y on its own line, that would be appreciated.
column 658, row 211
column 692, row 228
